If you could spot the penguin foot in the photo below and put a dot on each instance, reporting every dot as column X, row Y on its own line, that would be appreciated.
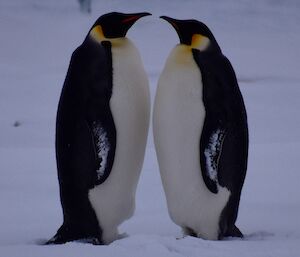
column 189, row 232
column 90, row 240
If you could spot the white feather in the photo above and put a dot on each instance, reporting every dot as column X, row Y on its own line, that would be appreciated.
column 177, row 125
column 211, row 151
column 103, row 147
column 114, row 200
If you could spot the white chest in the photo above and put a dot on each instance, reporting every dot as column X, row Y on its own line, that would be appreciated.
column 113, row 201
column 178, row 120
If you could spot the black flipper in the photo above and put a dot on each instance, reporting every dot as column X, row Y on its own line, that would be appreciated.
column 104, row 139
column 83, row 118
column 225, row 111
column 77, row 175
column 211, row 142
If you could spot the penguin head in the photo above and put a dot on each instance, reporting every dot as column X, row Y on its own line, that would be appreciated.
column 114, row 25
column 194, row 34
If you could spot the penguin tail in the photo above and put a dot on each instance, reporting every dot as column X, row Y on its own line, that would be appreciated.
column 62, row 236
column 234, row 232
column 57, row 239
column 67, row 234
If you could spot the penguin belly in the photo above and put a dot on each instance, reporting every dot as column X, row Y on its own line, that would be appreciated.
column 114, row 200
column 178, row 120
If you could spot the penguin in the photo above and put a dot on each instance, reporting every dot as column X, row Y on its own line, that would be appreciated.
column 200, row 134
column 101, row 132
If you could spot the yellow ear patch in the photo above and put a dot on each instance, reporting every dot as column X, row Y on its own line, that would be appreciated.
column 97, row 33
column 200, row 42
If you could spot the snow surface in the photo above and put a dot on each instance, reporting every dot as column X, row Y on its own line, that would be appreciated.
column 261, row 39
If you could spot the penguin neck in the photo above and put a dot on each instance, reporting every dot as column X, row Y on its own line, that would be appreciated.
column 97, row 35
column 181, row 56
column 118, row 42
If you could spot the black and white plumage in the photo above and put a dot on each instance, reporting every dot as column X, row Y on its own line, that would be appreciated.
column 101, row 132
column 200, row 134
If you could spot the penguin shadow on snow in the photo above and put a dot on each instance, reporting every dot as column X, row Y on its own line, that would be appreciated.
column 258, row 236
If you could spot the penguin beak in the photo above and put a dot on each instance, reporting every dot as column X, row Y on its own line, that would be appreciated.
column 181, row 29
column 132, row 18
column 172, row 21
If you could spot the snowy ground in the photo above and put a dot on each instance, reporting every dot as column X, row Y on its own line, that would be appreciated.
column 261, row 38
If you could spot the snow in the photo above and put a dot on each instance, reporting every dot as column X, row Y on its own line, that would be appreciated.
column 259, row 37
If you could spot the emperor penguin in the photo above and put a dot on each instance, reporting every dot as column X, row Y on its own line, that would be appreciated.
column 101, row 132
column 200, row 134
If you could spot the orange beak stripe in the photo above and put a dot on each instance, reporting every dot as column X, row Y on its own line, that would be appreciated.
column 131, row 19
